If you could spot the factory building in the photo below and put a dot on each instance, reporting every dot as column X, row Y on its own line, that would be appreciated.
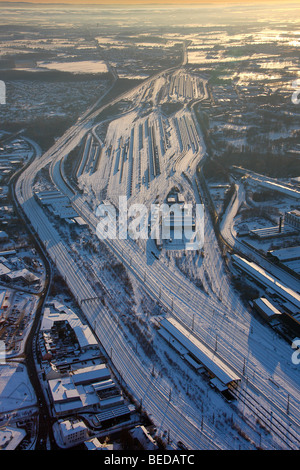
column 293, row 218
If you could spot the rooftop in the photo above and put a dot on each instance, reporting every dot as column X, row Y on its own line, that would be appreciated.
column 200, row 352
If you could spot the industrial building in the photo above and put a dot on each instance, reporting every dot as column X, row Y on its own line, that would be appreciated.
column 79, row 391
column 197, row 354
column 11, row 437
column 73, row 432
column 84, row 336
column 285, row 254
column 22, row 275
column 78, row 378
column 293, row 218
column 266, row 309
column 142, row 439
column 272, row 232
column 58, row 203
column 287, row 258
column 266, row 280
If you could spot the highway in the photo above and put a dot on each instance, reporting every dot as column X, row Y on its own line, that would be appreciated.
column 243, row 342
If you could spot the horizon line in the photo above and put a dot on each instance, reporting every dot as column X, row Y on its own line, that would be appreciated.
column 146, row 2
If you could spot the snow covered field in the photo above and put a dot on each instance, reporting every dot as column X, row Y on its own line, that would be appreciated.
column 220, row 320
column 84, row 66
column 144, row 154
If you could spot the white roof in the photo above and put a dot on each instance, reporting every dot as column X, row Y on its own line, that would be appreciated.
column 4, row 269
column 83, row 332
column 11, row 437
column 68, row 427
column 94, row 373
column 266, row 306
column 80, row 220
column 208, row 358
column 268, row 280
column 84, row 335
column 144, row 437
column 111, row 401
column 2, row 295
column 24, row 273
column 294, row 212
column 285, row 254
column 63, row 390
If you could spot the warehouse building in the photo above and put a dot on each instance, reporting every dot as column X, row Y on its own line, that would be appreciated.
column 75, row 392
column 288, row 258
column 73, row 432
column 266, row 280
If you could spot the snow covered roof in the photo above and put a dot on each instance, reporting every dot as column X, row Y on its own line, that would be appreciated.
column 69, row 427
column 2, row 296
column 258, row 273
column 24, row 274
column 209, row 359
column 287, row 254
column 266, row 306
column 90, row 374
column 63, row 390
column 84, row 336
column 95, row 444
column 294, row 212
column 11, row 437
column 83, row 332
column 4, row 269
column 144, row 437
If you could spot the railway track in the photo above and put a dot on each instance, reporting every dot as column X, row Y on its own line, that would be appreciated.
column 53, row 155
column 270, row 421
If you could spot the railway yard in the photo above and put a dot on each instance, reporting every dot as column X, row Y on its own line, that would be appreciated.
column 120, row 170
column 191, row 345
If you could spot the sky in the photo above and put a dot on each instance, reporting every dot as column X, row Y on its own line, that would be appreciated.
column 145, row 2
